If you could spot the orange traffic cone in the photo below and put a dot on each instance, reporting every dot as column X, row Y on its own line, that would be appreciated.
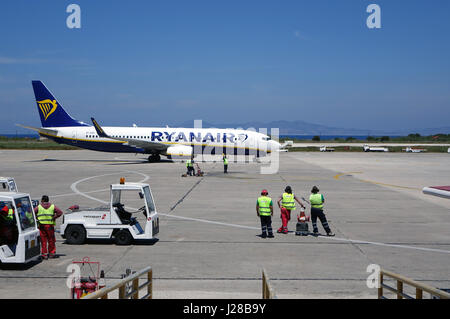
column 302, row 217
column 302, row 225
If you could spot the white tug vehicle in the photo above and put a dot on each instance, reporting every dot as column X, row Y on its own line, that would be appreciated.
column 115, row 221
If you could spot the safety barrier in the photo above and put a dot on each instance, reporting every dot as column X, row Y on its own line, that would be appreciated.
column 267, row 291
column 122, row 284
column 399, row 291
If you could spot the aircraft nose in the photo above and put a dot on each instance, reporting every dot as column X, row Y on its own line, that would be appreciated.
column 274, row 145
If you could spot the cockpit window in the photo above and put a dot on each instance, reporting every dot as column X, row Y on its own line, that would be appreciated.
column 266, row 138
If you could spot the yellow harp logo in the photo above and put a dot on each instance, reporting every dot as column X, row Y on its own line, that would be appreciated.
column 47, row 107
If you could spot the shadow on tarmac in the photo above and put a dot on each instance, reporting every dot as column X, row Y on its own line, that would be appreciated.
column 19, row 267
column 107, row 161
column 140, row 242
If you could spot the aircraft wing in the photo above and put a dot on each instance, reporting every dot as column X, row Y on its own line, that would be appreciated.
column 148, row 146
column 40, row 130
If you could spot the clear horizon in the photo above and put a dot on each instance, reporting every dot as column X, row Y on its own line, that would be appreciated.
column 156, row 63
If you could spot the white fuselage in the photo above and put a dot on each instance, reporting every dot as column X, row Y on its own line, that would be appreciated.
column 201, row 140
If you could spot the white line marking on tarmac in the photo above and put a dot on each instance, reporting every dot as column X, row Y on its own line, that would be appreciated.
column 74, row 188
column 73, row 194
column 209, row 221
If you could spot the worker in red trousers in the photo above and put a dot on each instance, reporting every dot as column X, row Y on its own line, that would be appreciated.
column 286, row 202
column 46, row 214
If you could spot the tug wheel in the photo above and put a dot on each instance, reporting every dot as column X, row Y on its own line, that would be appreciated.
column 75, row 234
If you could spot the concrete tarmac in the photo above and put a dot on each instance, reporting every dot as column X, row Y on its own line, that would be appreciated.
column 208, row 245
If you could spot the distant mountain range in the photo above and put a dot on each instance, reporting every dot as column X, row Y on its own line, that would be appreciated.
column 305, row 128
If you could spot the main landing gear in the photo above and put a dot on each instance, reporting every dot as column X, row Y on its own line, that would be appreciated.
column 154, row 158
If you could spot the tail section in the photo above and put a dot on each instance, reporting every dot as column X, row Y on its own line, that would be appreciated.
column 50, row 110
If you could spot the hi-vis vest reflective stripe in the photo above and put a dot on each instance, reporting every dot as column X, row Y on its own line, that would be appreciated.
column 288, row 201
column 264, row 205
column 45, row 216
column 316, row 200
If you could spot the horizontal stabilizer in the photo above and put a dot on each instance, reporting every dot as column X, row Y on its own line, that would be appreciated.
column 40, row 130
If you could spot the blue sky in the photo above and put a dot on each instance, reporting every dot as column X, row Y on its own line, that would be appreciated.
column 165, row 62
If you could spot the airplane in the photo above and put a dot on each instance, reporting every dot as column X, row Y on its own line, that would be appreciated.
column 59, row 126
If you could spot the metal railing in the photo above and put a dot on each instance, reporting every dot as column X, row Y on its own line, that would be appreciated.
column 267, row 291
column 399, row 290
column 122, row 284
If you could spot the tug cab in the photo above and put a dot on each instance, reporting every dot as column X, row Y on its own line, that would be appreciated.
column 7, row 184
column 19, row 235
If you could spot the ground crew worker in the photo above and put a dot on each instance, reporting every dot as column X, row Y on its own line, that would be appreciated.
column 316, row 200
column 189, row 166
column 7, row 213
column 46, row 214
column 286, row 203
column 8, row 228
column 225, row 164
column 264, row 210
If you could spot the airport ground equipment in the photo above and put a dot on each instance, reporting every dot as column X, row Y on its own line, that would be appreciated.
column 326, row 149
column 86, row 279
column 287, row 144
column 199, row 171
column 302, row 224
column 19, row 235
column 8, row 184
column 114, row 221
column 414, row 150
column 368, row 148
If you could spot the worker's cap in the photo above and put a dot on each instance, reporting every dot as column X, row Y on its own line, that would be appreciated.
column 264, row 192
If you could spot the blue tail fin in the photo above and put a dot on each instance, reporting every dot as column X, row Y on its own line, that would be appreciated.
column 50, row 110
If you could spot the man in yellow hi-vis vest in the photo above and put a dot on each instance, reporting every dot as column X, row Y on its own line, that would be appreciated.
column 225, row 164
column 46, row 213
column 286, row 202
column 264, row 210
column 316, row 200
column 190, row 166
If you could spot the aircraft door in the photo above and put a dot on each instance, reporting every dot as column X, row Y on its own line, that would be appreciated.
column 74, row 137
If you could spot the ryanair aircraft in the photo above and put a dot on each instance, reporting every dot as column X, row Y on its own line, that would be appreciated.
column 59, row 126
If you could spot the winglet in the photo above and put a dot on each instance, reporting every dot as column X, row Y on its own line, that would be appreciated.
column 98, row 128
